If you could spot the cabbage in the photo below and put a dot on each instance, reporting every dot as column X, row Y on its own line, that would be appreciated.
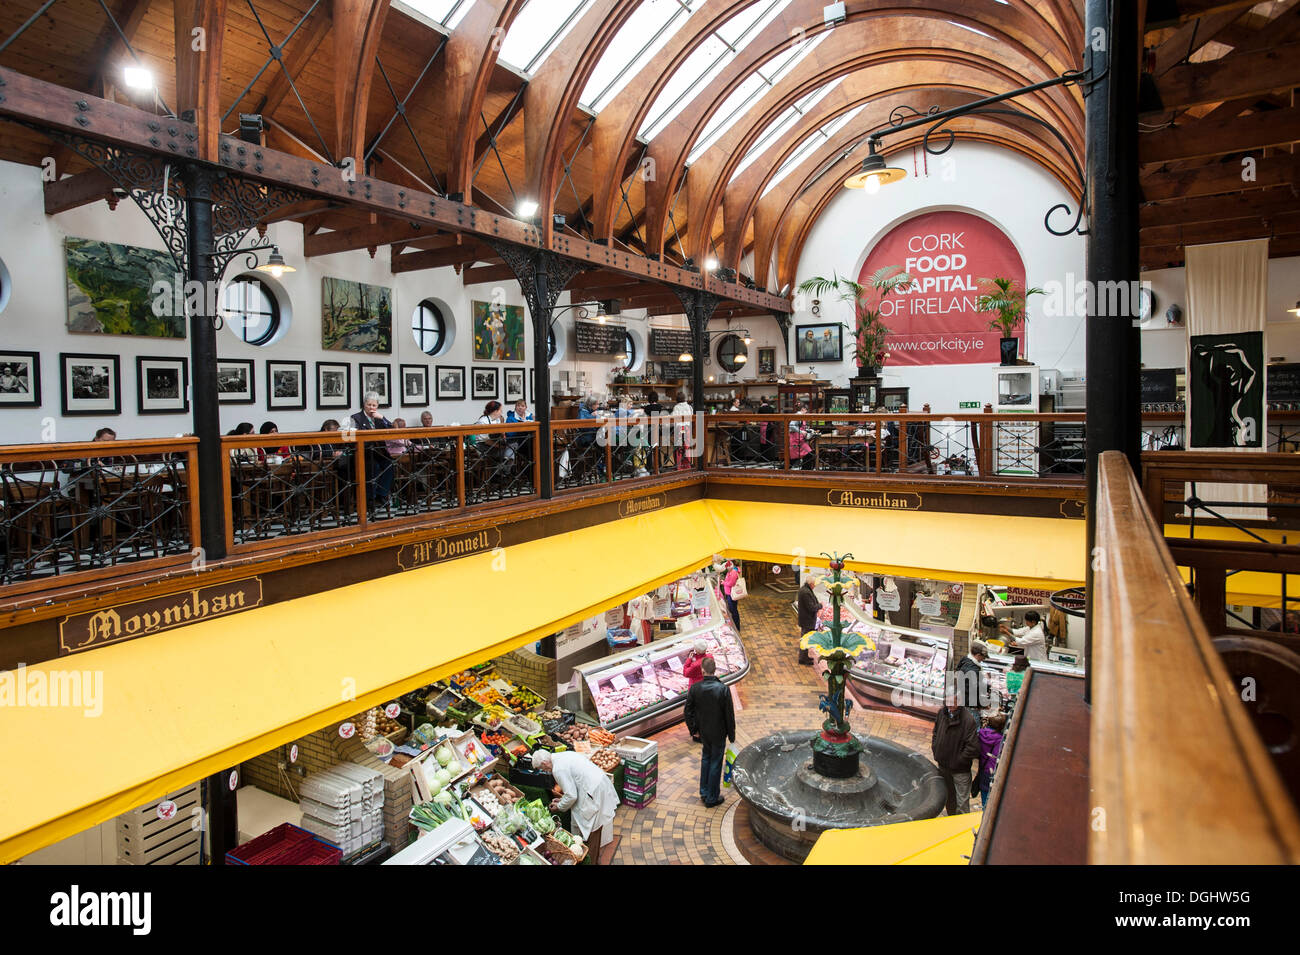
column 442, row 777
column 443, row 798
column 454, row 768
column 444, row 755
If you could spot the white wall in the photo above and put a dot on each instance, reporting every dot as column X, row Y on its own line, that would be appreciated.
column 34, row 319
column 996, row 184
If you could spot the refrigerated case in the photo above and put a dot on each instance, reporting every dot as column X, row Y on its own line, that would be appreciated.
column 643, row 690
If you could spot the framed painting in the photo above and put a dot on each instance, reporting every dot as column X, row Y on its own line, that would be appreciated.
column 92, row 384
column 498, row 332
column 356, row 316
column 819, row 342
column 160, row 385
column 767, row 361
column 121, row 290
column 333, row 385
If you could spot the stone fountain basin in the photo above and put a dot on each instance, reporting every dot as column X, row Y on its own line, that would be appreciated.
column 791, row 805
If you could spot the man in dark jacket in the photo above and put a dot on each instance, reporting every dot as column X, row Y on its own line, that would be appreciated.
column 971, row 680
column 809, row 605
column 954, row 743
column 379, row 463
column 711, row 717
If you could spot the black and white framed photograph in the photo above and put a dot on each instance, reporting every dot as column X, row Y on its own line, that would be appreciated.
column 415, row 385
column 236, row 384
column 286, row 385
column 377, row 379
column 92, row 384
column 485, row 382
column 514, row 385
column 161, row 385
column 333, row 385
column 449, row 382
column 20, row 379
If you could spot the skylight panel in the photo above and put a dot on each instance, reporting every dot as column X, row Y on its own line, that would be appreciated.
column 538, row 30
column 645, row 33
column 810, row 145
column 447, row 12
column 778, row 127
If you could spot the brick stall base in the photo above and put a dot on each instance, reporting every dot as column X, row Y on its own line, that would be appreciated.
column 777, row 694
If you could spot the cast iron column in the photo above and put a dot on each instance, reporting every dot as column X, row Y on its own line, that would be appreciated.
column 203, row 365
column 222, row 810
column 540, row 305
column 1112, row 340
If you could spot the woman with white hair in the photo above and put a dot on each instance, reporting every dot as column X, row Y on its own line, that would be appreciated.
column 585, row 790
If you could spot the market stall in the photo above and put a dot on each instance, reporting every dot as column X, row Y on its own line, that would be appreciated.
column 643, row 689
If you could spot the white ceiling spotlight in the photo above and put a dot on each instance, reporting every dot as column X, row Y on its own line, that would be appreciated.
column 711, row 264
column 526, row 209
column 138, row 78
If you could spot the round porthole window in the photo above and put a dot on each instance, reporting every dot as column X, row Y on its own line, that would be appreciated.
column 733, row 353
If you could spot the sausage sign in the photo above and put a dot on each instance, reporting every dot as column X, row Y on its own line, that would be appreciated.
column 934, row 321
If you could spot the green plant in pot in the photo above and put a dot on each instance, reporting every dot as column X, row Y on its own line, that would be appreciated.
column 1007, row 300
column 869, row 331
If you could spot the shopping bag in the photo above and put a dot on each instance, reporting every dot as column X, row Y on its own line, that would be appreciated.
column 738, row 589
column 728, row 764
column 565, row 470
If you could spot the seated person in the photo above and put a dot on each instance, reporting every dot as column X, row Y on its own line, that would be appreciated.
column 398, row 446
column 491, row 415
column 801, row 452
column 379, row 463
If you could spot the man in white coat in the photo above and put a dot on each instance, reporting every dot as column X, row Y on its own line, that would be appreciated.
column 585, row 789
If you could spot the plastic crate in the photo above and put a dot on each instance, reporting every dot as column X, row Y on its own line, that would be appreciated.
column 286, row 844
column 640, row 802
column 640, row 777
column 620, row 638
column 635, row 790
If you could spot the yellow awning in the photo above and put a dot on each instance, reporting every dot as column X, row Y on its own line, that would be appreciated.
column 183, row 704
column 947, row 840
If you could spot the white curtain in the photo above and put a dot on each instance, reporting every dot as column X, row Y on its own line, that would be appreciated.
column 1227, row 291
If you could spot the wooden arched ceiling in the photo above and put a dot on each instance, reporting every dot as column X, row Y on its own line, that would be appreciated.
column 437, row 110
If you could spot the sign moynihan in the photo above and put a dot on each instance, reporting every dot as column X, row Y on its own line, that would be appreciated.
column 887, row 500
column 97, row 628
column 411, row 556
column 640, row 505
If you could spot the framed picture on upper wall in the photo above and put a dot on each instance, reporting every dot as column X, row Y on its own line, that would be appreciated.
column 286, row 385
column 333, row 385
column 498, row 332
column 514, row 385
column 767, row 361
column 485, row 383
column 236, row 384
column 819, row 342
column 111, row 290
column 356, row 316
column 377, row 379
column 449, row 382
column 20, row 379
column 415, row 385
column 92, row 384
column 160, row 385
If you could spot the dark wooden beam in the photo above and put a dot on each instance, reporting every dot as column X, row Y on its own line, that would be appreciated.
column 72, row 192
column 1219, row 178
column 365, row 237
column 1256, row 202
column 487, row 273
column 1168, row 13
column 1189, row 38
column 1173, row 256
column 1235, row 76
column 1227, row 230
column 439, row 258
column 1214, row 137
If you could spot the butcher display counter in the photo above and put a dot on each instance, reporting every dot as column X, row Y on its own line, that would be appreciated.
column 643, row 690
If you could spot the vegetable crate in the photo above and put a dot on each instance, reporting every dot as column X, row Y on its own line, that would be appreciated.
column 640, row 800
column 640, row 775
column 285, row 845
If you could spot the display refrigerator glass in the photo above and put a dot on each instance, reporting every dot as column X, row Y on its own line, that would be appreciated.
column 647, row 685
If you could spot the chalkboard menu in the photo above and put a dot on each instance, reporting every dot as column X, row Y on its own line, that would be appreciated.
column 675, row 370
column 594, row 338
column 1283, row 383
column 669, row 342
column 1159, row 384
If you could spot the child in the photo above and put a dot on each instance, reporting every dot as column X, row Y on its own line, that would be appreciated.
column 990, row 738
column 1016, row 675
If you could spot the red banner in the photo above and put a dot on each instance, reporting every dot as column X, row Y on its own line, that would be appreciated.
column 934, row 322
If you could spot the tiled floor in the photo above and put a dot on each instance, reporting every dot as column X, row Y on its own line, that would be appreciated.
column 777, row 694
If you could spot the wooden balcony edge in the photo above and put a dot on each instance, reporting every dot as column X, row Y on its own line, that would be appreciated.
column 1178, row 773
column 1033, row 487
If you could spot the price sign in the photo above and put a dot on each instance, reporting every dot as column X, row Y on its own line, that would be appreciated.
column 619, row 682
column 887, row 600
column 928, row 606
column 166, row 809
column 647, row 673
column 293, row 753
column 675, row 663
column 347, row 730
column 391, row 711
column 699, row 599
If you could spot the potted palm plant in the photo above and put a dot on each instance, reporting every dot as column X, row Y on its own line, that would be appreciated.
column 1006, row 299
column 870, row 332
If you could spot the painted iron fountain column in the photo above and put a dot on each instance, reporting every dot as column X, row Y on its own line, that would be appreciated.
column 836, row 751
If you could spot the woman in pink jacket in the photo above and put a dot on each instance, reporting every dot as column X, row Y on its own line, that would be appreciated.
column 729, row 579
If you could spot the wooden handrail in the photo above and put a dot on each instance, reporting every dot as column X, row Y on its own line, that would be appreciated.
column 94, row 449
column 1178, row 773
column 291, row 439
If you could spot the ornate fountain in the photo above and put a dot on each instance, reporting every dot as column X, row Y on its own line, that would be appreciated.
column 794, row 797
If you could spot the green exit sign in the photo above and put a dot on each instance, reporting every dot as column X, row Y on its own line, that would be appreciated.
column 968, row 404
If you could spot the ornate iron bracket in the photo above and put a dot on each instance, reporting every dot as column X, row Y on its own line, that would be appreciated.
column 527, row 262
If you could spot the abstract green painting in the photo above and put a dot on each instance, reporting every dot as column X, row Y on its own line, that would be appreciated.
column 112, row 290
column 498, row 332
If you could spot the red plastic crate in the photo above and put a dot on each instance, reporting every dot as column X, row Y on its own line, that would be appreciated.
column 286, row 844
